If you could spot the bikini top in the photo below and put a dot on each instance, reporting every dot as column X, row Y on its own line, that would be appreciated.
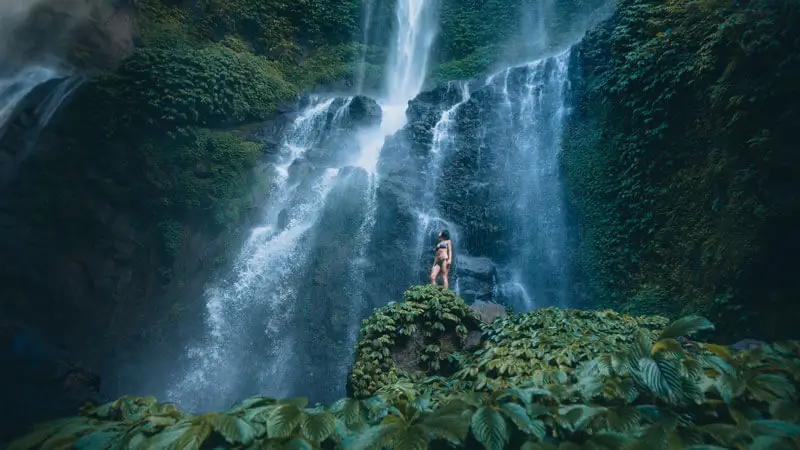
column 441, row 245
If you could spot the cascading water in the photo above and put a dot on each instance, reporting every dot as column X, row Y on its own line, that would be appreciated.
column 430, row 220
column 261, row 291
column 286, row 320
column 506, row 159
column 16, row 91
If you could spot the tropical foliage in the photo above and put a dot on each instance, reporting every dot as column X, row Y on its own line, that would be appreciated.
column 430, row 324
column 680, row 159
column 625, row 384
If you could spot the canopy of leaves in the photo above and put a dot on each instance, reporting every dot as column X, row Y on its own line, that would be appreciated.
column 680, row 160
column 650, row 389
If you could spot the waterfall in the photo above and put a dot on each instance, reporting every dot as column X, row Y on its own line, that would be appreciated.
column 260, row 293
column 25, row 90
column 540, row 265
column 504, row 153
column 408, row 61
column 285, row 321
column 361, row 66
column 430, row 220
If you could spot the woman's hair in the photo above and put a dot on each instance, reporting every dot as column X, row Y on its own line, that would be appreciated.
column 444, row 234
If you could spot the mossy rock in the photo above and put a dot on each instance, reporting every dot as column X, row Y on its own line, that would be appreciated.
column 412, row 339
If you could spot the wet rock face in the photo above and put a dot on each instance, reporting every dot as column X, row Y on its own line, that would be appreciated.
column 364, row 111
column 345, row 119
column 481, row 173
column 488, row 311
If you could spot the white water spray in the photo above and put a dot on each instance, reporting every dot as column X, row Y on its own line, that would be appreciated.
column 236, row 358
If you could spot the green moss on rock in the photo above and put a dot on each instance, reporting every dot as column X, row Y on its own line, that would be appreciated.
column 680, row 160
column 410, row 339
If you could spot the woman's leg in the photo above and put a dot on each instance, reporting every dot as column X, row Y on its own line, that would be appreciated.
column 445, row 275
column 434, row 273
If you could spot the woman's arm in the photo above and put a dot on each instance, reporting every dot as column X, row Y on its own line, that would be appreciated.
column 450, row 252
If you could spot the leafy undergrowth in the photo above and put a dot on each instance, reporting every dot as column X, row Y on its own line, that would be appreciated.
column 614, row 382
column 436, row 315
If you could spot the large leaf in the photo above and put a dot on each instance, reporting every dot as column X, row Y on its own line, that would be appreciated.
column 283, row 420
column 96, row 439
column 233, row 429
column 42, row 433
column 518, row 416
column 316, row 427
column 194, row 437
column 411, row 438
column 349, row 410
column 776, row 428
column 489, row 428
column 686, row 326
column 370, row 438
column 450, row 425
column 298, row 443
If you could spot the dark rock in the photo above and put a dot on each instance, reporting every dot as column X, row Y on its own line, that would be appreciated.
column 299, row 170
column 364, row 111
column 478, row 267
column 489, row 311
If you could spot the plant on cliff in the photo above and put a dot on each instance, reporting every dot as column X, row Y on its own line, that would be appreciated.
column 654, row 389
column 423, row 331
column 678, row 131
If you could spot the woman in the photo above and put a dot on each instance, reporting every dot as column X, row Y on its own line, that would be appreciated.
column 442, row 259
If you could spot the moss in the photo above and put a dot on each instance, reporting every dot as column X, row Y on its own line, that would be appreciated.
column 418, row 327
column 678, row 157
column 173, row 236
column 473, row 65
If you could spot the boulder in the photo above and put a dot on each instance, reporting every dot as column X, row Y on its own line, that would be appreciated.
column 488, row 311
column 417, row 336
column 364, row 111
column 476, row 277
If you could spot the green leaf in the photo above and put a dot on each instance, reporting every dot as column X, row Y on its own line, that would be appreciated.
column 317, row 427
column 233, row 429
column 489, row 428
column 686, row 326
column 96, row 439
column 194, row 437
column 721, row 432
column 518, row 416
column 538, row 446
column 451, row 425
column 283, row 420
column 298, row 443
column 349, row 410
column 412, row 438
column 776, row 428
column 41, row 434
column 370, row 438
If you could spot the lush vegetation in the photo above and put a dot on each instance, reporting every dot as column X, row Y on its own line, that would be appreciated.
column 476, row 35
column 681, row 160
column 157, row 137
column 552, row 379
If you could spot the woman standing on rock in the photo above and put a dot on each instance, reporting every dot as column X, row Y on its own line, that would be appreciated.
column 442, row 259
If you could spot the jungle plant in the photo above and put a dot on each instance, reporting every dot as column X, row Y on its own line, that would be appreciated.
column 430, row 318
column 659, row 389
